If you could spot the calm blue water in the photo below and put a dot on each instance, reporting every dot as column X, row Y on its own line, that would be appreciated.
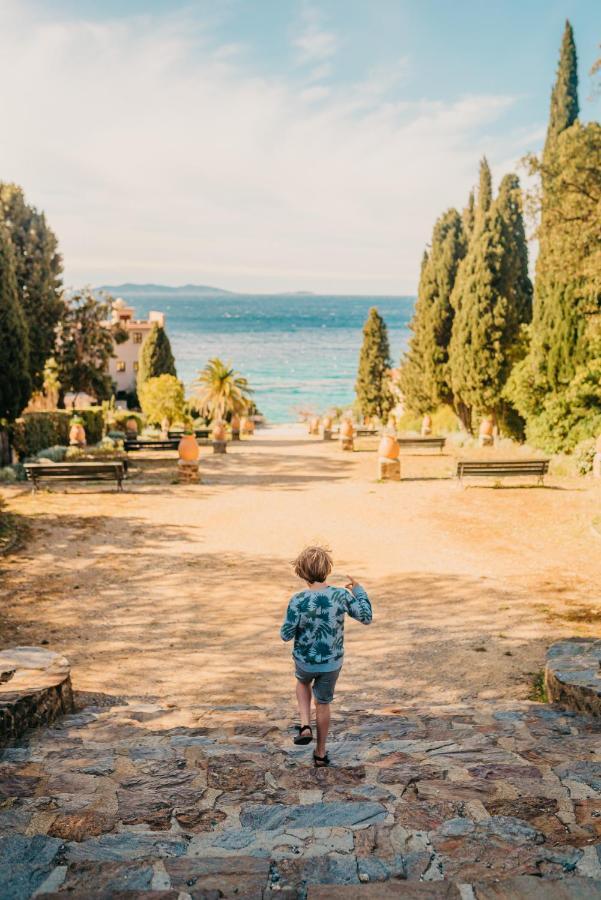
column 296, row 351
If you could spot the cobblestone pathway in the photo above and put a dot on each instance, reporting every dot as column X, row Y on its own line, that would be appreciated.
column 125, row 801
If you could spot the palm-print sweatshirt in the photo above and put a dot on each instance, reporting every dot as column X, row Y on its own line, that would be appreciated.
column 315, row 619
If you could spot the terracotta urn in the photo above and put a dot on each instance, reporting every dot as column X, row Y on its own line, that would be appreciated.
column 389, row 447
column 188, row 448
column 346, row 429
column 218, row 430
column 132, row 425
column 326, row 423
column 314, row 426
column 427, row 425
column 247, row 425
column 235, row 422
column 77, row 434
column 486, row 427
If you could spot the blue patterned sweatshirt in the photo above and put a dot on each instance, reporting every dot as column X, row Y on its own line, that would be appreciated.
column 315, row 619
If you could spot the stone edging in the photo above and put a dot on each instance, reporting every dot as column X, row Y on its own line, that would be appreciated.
column 35, row 688
column 573, row 674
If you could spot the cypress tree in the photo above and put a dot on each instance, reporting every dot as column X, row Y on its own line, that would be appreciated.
column 557, row 321
column 373, row 394
column 484, row 193
column 156, row 357
column 425, row 378
column 15, row 383
column 564, row 96
column 38, row 268
column 492, row 298
column 468, row 216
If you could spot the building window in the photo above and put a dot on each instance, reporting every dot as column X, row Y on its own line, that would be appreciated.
column 135, row 366
column 120, row 365
column 137, row 337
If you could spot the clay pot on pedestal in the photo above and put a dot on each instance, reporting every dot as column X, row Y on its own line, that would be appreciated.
column 247, row 426
column 188, row 449
column 389, row 447
column 314, row 426
column 218, row 430
column 326, row 423
column 165, row 429
column 131, row 426
column 77, row 435
column 486, row 432
column 427, row 425
column 347, row 433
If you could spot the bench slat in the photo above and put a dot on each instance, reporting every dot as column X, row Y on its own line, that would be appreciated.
column 501, row 467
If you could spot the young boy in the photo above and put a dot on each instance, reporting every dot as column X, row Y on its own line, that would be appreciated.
column 315, row 619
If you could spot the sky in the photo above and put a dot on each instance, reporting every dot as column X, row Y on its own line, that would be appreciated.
column 271, row 145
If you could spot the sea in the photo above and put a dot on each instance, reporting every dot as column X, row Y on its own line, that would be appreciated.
column 299, row 352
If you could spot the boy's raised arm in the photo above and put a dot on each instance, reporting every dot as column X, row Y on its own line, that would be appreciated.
column 288, row 629
column 358, row 604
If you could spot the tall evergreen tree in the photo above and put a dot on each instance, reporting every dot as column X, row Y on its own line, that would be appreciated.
column 564, row 96
column 468, row 216
column 373, row 393
column 484, row 193
column 38, row 268
column 156, row 357
column 557, row 322
column 492, row 298
column 425, row 377
column 15, row 383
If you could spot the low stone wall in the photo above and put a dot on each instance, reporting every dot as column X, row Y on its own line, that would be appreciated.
column 35, row 688
column 573, row 674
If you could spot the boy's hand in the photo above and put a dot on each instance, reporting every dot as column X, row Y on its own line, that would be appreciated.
column 351, row 582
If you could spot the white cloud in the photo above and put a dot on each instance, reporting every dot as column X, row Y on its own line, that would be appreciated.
column 158, row 155
column 314, row 43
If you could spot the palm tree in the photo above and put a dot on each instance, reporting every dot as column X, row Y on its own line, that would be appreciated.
column 220, row 391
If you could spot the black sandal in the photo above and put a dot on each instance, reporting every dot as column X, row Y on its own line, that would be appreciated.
column 303, row 739
column 321, row 762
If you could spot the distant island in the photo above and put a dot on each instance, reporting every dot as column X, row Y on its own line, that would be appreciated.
column 147, row 290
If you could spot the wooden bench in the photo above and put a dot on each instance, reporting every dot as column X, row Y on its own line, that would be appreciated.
column 138, row 444
column 76, row 471
column 199, row 433
column 502, row 468
column 419, row 443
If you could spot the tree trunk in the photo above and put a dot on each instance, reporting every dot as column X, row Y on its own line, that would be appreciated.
column 5, row 454
column 464, row 414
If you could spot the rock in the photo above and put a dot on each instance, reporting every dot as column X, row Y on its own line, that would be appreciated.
column 126, row 846
column 37, row 692
column 313, row 815
column 387, row 891
column 235, row 773
column 108, row 878
column 581, row 771
column 195, row 820
column 526, row 887
column 241, row 876
column 25, row 863
column 80, row 826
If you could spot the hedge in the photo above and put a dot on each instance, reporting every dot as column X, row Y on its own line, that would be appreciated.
column 36, row 431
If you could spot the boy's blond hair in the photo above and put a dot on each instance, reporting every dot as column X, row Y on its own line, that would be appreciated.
column 313, row 564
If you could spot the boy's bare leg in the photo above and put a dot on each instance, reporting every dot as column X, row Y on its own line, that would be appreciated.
column 322, row 714
column 303, row 696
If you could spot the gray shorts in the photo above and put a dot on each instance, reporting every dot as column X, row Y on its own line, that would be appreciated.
column 323, row 682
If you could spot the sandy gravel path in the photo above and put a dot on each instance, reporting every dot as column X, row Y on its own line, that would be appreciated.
column 177, row 592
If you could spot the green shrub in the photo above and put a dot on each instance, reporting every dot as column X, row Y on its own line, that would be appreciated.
column 584, row 453
column 7, row 475
column 54, row 454
column 36, row 431
column 116, row 435
column 119, row 418
column 444, row 421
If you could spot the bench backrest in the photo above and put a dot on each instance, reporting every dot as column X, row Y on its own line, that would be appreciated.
column 74, row 470
column 422, row 441
column 169, row 444
column 502, row 466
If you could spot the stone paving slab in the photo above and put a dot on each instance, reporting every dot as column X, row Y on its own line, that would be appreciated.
column 573, row 674
column 127, row 801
